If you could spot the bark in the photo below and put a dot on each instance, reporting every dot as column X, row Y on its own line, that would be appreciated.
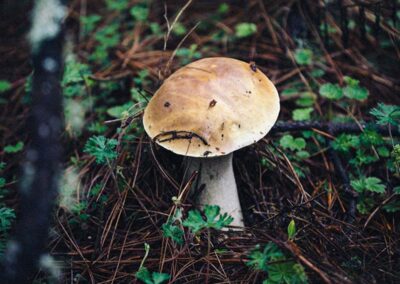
column 39, row 184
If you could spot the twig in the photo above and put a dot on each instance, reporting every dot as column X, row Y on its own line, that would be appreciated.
column 331, row 127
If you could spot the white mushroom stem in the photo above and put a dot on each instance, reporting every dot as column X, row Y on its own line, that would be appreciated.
column 220, row 185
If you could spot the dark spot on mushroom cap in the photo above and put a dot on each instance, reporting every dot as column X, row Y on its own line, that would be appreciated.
column 212, row 103
column 206, row 153
column 167, row 104
column 216, row 148
column 253, row 66
column 239, row 125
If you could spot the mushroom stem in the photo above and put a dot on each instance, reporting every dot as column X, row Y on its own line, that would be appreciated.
column 220, row 185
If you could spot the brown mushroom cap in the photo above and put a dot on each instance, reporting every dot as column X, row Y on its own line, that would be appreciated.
column 212, row 107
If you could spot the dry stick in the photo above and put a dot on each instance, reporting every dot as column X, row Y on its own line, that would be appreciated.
column 39, row 185
column 178, row 46
column 332, row 127
column 170, row 27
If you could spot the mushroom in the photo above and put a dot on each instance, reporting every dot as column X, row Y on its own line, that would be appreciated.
column 205, row 111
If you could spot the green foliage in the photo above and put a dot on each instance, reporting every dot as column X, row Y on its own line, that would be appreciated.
column 155, row 29
column 121, row 111
column 223, row 8
column 345, row 142
column 301, row 114
column 259, row 259
column 4, row 86
column 174, row 232
column 101, row 148
column 170, row 230
column 179, row 29
column 147, row 276
column 195, row 221
column 117, row 5
column 76, row 74
column 140, row 12
column 151, row 277
column 10, row 149
column 272, row 261
column 395, row 154
column 288, row 142
column 303, row 56
column 107, row 37
column 245, row 30
column 7, row 216
column 372, row 184
column 89, row 22
column 386, row 114
column 331, row 91
column 306, row 99
column 353, row 90
column 188, row 54
column 291, row 229
column 392, row 207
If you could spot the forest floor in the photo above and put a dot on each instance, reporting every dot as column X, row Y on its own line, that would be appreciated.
column 320, row 205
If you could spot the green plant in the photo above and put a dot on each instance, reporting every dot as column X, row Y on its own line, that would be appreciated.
column 75, row 79
column 188, row 54
column 140, row 12
column 7, row 217
column 148, row 277
column 372, row 184
column 171, row 230
column 4, row 86
column 195, row 221
column 245, row 30
column 331, row 91
column 291, row 229
column 119, row 5
column 102, row 148
column 89, row 23
column 303, row 56
column 353, row 90
column 179, row 29
column 14, row 148
column 386, row 114
column 291, row 143
column 302, row 114
column 279, row 269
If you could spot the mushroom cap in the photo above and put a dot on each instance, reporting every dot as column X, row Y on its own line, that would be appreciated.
column 212, row 107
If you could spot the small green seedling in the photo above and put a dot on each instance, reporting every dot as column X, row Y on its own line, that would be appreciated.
column 148, row 277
